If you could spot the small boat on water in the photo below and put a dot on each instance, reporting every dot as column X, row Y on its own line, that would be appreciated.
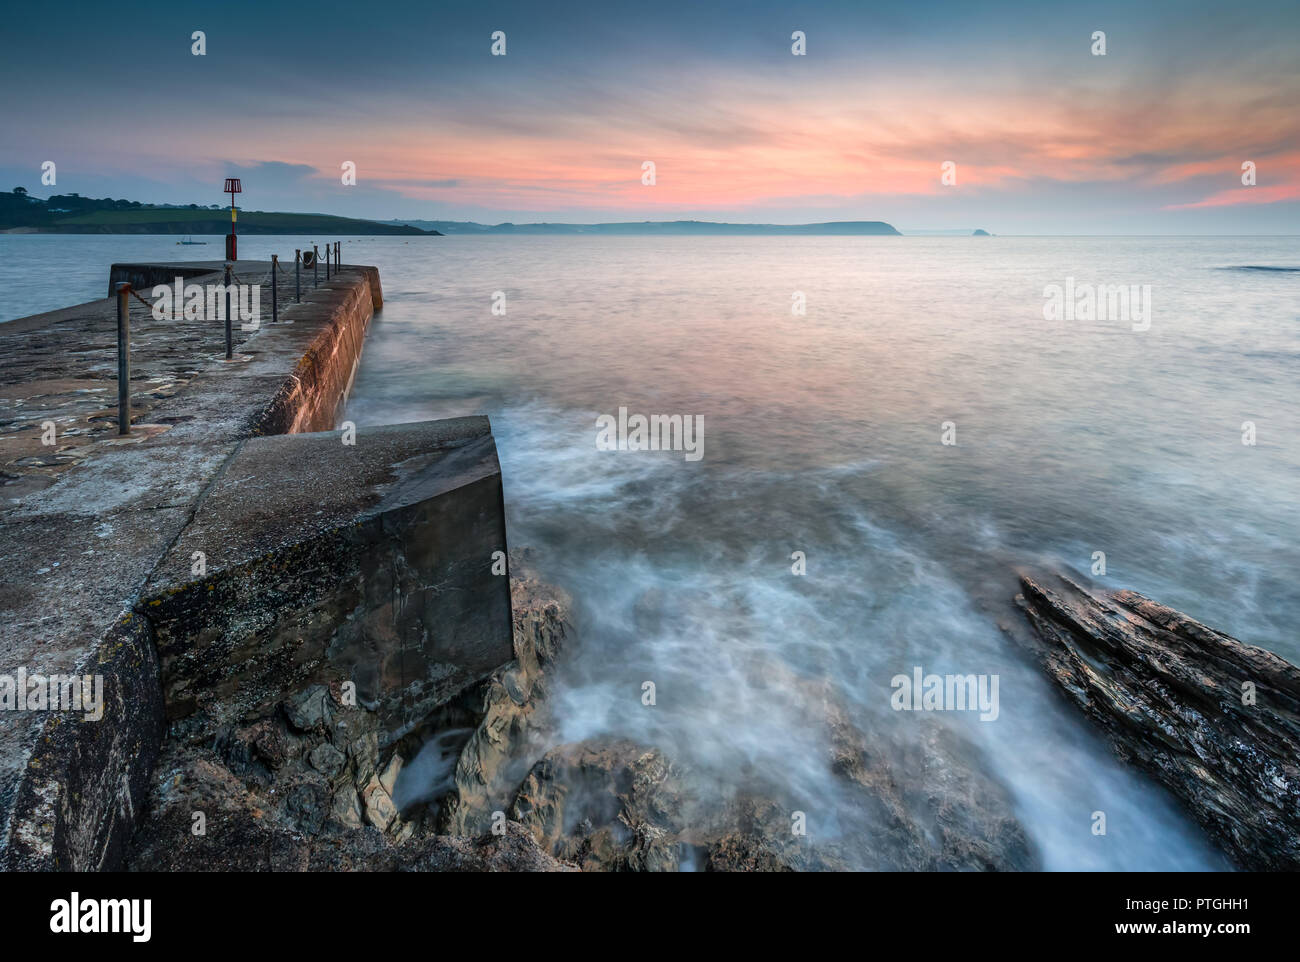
column 188, row 241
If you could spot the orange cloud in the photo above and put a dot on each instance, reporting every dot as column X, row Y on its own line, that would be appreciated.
column 745, row 142
column 1244, row 195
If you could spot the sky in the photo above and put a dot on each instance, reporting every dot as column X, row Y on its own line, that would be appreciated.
column 1045, row 136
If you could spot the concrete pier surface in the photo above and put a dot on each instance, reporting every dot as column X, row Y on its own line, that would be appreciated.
column 202, row 565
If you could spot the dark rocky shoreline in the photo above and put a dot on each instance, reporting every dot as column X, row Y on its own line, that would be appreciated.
column 1214, row 720
column 311, row 787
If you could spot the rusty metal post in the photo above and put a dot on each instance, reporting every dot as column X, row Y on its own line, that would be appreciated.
column 123, row 359
column 297, row 276
column 230, row 351
column 327, row 261
column 275, row 288
column 315, row 266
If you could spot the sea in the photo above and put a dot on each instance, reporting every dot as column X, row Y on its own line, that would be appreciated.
column 884, row 430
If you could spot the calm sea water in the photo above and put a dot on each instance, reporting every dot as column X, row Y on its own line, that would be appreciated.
column 822, row 435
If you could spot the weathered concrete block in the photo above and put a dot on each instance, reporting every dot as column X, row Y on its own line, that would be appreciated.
column 67, row 578
column 329, row 563
column 88, row 780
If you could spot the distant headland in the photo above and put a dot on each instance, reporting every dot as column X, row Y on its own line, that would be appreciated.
column 21, row 213
column 660, row 227
column 73, row 214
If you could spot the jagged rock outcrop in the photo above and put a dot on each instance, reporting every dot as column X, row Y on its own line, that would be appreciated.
column 320, row 783
column 1215, row 720
column 305, row 790
column 496, row 756
column 311, row 770
column 934, row 805
column 921, row 802
column 513, row 851
column 926, row 805
column 606, row 805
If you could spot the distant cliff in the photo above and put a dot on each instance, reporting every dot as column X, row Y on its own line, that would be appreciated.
column 74, row 214
column 691, row 227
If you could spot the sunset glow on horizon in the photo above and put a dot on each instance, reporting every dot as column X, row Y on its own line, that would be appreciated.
column 1044, row 135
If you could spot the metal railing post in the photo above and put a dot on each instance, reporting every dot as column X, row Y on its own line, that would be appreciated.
column 327, row 261
column 275, row 288
column 315, row 266
column 297, row 276
column 230, row 352
column 123, row 359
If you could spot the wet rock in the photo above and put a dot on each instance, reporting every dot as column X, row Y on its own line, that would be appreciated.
column 261, row 777
column 239, row 835
column 612, row 805
column 916, row 797
column 515, row 851
column 313, row 786
column 327, row 759
column 346, row 807
column 363, row 751
column 743, row 852
column 932, row 804
column 1215, row 720
column 380, row 810
column 253, row 752
column 309, row 709
column 968, row 811
column 514, row 686
column 915, row 802
column 389, row 778
column 271, row 746
column 759, row 839
column 502, row 747
column 200, row 815
column 605, row 805
column 920, row 802
column 307, row 804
